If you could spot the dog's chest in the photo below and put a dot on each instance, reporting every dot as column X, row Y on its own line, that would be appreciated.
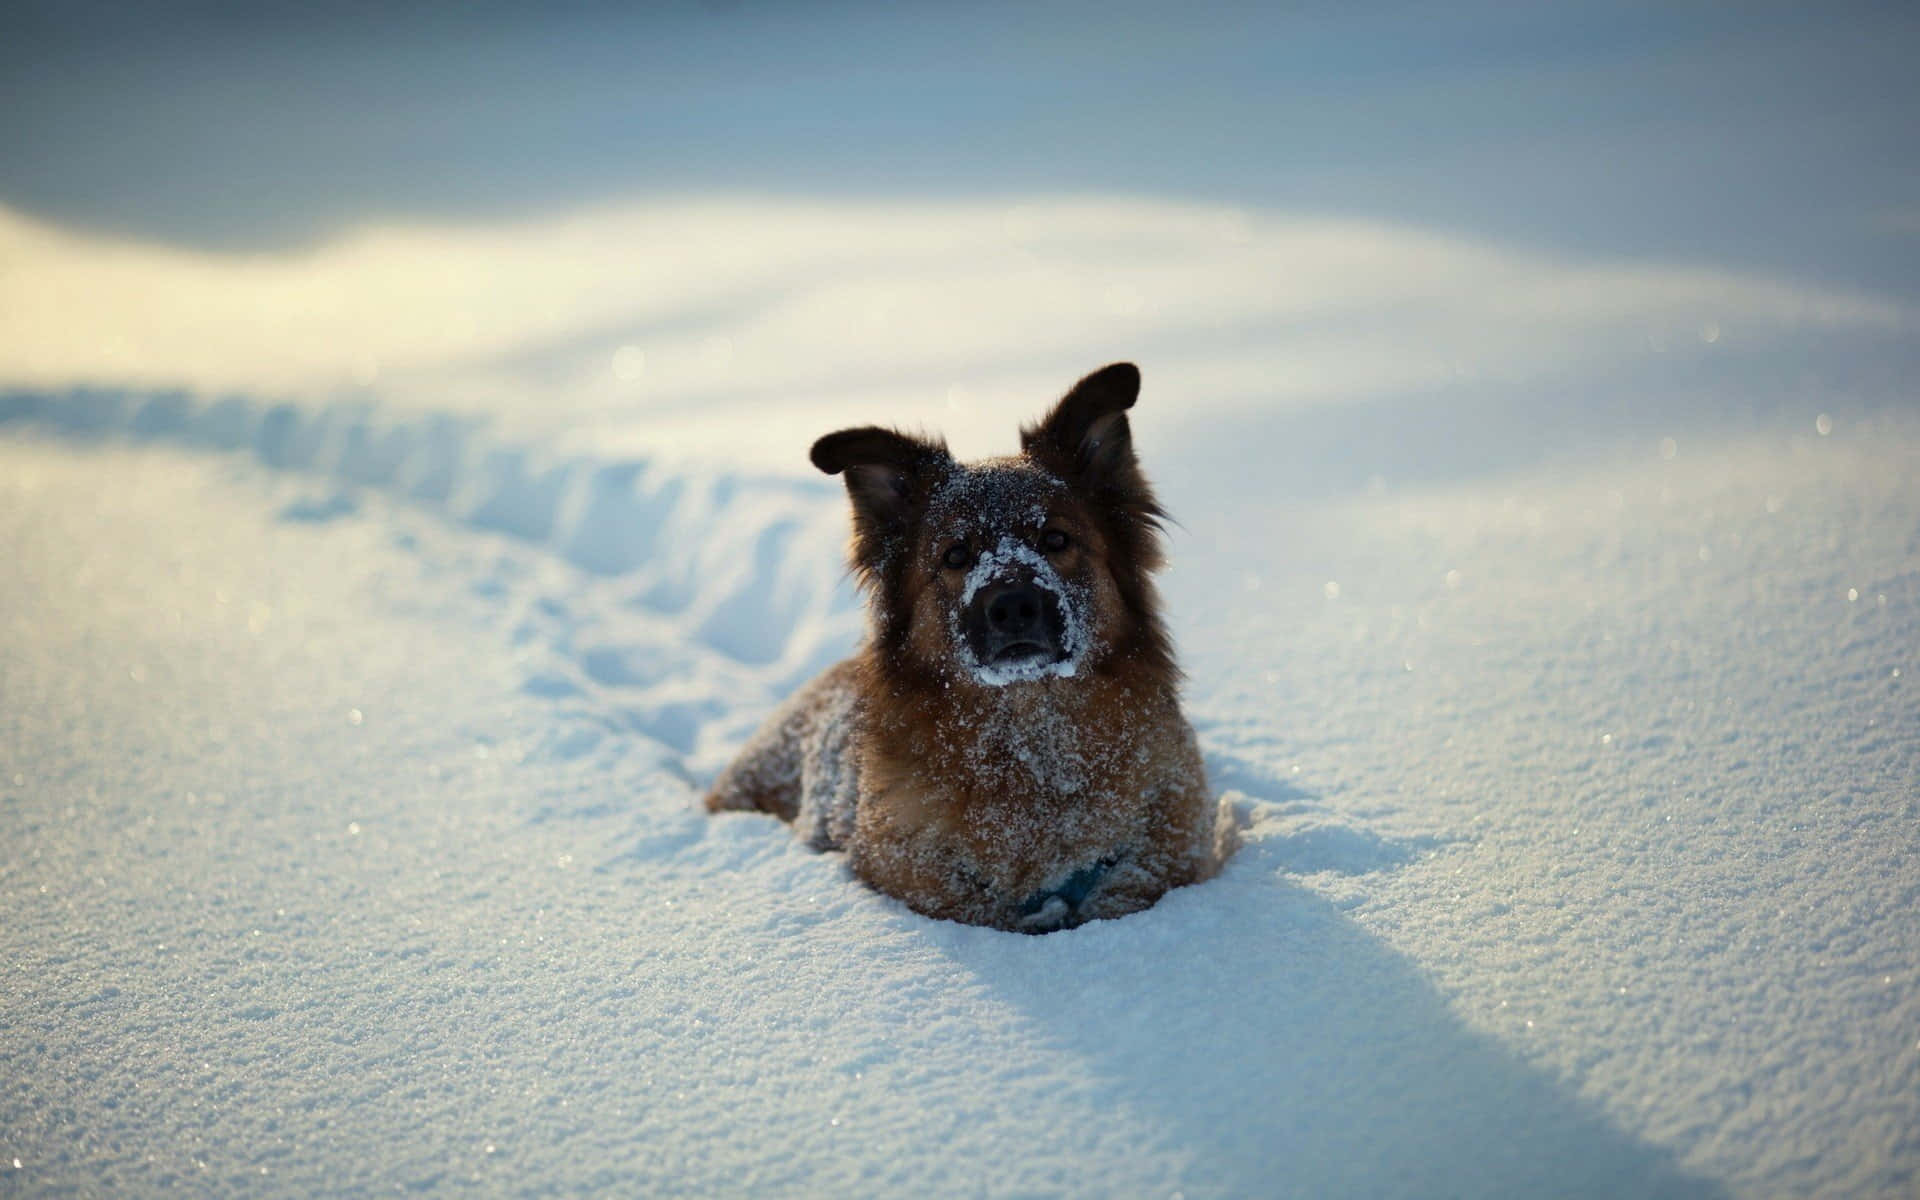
column 1031, row 753
column 1023, row 770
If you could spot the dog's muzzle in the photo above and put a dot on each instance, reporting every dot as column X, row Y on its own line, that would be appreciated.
column 1015, row 621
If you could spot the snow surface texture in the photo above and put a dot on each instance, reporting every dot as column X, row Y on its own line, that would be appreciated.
column 349, row 792
column 759, row 325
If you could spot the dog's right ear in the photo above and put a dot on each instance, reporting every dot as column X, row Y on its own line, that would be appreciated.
column 889, row 476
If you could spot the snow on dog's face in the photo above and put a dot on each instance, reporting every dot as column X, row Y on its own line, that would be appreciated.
column 1011, row 594
column 1014, row 570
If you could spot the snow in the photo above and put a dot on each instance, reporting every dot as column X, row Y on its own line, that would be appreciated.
column 353, row 841
column 405, row 515
column 760, row 325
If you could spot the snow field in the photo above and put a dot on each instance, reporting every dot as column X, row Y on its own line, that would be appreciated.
column 1579, row 853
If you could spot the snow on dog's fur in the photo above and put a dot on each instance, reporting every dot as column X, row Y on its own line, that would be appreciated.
column 1007, row 748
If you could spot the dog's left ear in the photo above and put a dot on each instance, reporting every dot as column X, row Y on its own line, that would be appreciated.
column 1087, row 443
column 1086, row 437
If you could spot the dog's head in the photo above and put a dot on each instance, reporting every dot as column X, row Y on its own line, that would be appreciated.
column 1012, row 570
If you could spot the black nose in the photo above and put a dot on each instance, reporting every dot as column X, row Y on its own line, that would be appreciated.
column 1014, row 610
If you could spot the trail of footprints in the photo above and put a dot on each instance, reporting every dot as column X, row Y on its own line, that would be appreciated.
column 688, row 602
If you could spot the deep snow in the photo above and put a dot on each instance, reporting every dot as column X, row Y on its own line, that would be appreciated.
column 404, row 512
column 350, row 758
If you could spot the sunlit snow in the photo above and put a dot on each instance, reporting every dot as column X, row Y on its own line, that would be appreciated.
column 405, row 514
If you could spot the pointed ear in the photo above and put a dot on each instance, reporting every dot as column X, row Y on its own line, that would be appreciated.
column 889, row 475
column 1086, row 436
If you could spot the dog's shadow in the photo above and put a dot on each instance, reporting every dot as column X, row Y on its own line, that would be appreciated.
column 1290, row 1052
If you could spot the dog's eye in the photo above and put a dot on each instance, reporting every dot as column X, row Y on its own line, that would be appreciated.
column 1053, row 541
column 957, row 555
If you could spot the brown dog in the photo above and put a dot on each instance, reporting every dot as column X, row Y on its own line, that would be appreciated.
column 1007, row 749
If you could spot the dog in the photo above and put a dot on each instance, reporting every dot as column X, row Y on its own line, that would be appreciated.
column 1007, row 748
